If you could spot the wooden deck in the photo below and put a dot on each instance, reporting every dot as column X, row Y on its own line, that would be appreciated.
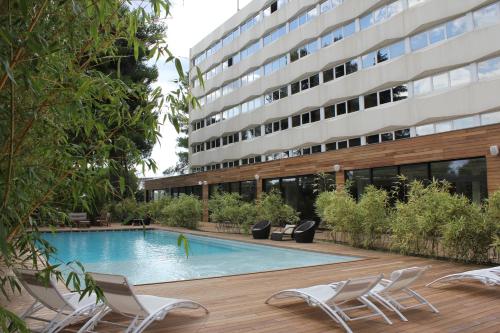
column 236, row 303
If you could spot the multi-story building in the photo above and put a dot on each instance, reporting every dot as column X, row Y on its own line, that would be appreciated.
column 366, row 90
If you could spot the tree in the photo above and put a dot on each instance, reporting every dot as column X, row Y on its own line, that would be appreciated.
column 51, row 92
column 180, row 107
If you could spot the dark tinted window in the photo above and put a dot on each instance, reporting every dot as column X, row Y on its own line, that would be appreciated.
column 353, row 105
column 355, row 142
column 316, row 149
column 328, row 75
column 402, row 134
column 329, row 111
column 341, row 109
column 331, row 146
column 342, row 144
column 315, row 116
column 305, row 118
column 339, row 71
column 295, row 87
column 387, row 136
column 284, row 124
column 385, row 96
column 370, row 139
column 296, row 121
column 314, row 80
column 370, row 100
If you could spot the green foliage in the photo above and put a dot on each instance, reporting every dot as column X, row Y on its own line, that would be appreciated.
column 323, row 182
column 66, row 119
column 493, row 211
column 342, row 214
column 185, row 211
column 271, row 207
column 323, row 200
column 230, row 207
column 374, row 214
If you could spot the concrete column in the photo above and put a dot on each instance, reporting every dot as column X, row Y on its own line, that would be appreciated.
column 204, row 196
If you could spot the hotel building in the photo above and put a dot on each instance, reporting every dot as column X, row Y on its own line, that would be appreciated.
column 365, row 90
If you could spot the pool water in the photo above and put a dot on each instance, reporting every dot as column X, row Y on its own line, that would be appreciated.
column 153, row 256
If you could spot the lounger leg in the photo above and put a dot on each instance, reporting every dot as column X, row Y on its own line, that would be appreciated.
column 422, row 300
column 92, row 322
column 389, row 306
column 335, row 316
column 130, row 327
column 375, row 309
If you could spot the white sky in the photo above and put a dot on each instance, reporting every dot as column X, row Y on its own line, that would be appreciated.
column 191, row 21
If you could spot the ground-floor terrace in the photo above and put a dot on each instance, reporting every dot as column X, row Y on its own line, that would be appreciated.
column 236, row 303
column 465, row 158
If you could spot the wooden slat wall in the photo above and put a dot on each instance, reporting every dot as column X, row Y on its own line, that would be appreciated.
column 446, row 146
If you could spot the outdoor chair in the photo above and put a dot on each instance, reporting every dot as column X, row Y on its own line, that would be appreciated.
column 261, row 230
column 103, row 219
column 488, row 276
column 142, row 309
column 391, row 292
column 68, row 307
column 332, row 299
column 80, row 219
column 286, row 233
column 304, row 233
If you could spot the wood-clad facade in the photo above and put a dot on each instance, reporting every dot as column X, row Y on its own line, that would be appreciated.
column 454, row 145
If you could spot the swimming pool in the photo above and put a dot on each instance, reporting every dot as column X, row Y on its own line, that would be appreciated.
column 153, row 256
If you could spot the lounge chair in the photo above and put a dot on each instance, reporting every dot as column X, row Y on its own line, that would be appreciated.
column 304, row 233
column 261, row 230
column 103, row 219
column 488, row 276
column 286, row 233
column 390, row 292
column 68, row 307
column 331, row 298
column 143, row 309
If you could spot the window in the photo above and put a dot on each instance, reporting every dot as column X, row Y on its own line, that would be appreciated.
column 295, row 87
column 355, row 142
column 331, row 146
column 457, row 27
column 315, row 116
column 380, row 14
column 341, row 108
column 419, row 41
column 371, row 100
column 351, row 66
column 490, row 118
column 460, row 76
column 328, row 75
column 275, row 65
column 284, row 124
column 248, row 51
column 275, row 35
column 387, row 136
column 437, row 34
column 371, row 139
column 304, row 51
column 466, row 122
column 342, row 144
column 353, row 105
column 369, row 60
column 314, row 81
column 444, row 126
column 488, row 68
column 402, row 134
column 415, row 171
column 250, row 23
column 384, row 96
column 316, row 149
column 399, row 93
column 296, row 121
column 384, row 178
column 359, row 180
column 425, row 130
column 339, row 71
column 305, row 118
column 268, row 128
column 248, row 190
column 276, row 95
column 303, row 18
column 329, row 111
column 440, row 81
column 305, row 84
column 422, row 86
column 487, row 16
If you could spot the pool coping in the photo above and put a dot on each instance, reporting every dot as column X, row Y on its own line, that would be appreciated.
column 357, row 258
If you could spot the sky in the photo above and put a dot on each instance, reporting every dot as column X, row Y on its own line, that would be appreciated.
column 191, row 20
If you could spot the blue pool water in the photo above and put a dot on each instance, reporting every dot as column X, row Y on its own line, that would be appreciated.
column 153, row 256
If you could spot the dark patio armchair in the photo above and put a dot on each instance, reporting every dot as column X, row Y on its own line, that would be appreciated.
column 261, row 230
column 304, row 233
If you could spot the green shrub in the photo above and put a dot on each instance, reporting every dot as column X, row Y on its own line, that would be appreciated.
column 342, row 214
column 230, row 207
column 271, row 207
column 185, row 211
column 126, row 210
column 155, row 209
column 468, row 234
column 493, row 210
column 374, row 213
column 323, row 200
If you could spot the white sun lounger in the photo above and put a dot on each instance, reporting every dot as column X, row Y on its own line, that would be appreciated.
column 391, row 292
column 488, row 276
column 330, row 298
column 68, row 307
column 142, row 309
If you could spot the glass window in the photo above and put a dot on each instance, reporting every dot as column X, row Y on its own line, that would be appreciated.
column 444, row 126
column 331, row 146
column 440, row 81
column 437, row 34
column 270, row 184
column 359, row 180
column 314, row 80
column 351, row 66
column 397, row 49
column 296, row 121
column 315, row 116
column 304, row 84
column 327, row 40
column 384, row 178
column 457, row 27
column 384, row 96
column 328, row 75
column 316, row 149
column 349, row 29
column 248, row 190
column 487, row 16
column 305, row 118
column 371, row 100
column 353, row 105
column 468, row 177
column 341, row 108
column 371, row 139
column 342, row 144
column 402, row 134
column 284, row 124
column 467, row 122
column 387, row 136
column 415, row 171
column 490, row 118
column 276, row 126
column 382, row 55
column 422, row 86
column 306, row 151
column 488, row 68
column 460, row 76
column 369, row 60
column 419, row 41
column 399, row 93
column 366, row 21
column 425, row 130
column 268, row 128
column 355, row 142
column 295, row 87
column 339, row 71
column 329, row 111
column 337, row 35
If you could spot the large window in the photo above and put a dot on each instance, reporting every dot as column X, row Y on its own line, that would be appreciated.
column 467, row 176
column 296, row 192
